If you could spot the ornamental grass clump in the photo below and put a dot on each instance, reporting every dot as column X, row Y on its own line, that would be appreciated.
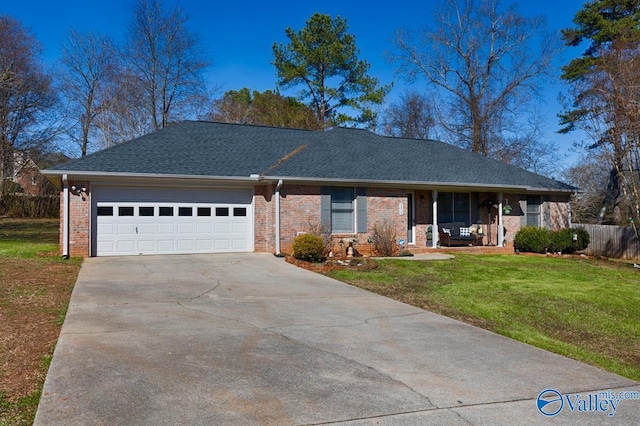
column 308, row 247
column 383, row 239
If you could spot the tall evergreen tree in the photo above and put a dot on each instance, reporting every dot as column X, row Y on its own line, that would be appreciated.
column 323, row 59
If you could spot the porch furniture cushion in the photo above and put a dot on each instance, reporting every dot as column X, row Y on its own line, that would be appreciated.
column 459, row 234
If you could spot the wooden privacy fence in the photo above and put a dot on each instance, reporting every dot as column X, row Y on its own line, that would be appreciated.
column 618, row 242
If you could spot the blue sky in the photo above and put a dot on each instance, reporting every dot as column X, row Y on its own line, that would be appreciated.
column 238, row 35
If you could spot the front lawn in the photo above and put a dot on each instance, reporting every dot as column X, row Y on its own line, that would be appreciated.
column 585, row 309
column 35, row 288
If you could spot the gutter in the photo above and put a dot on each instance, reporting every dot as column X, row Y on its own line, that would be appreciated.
column 278, row 186
column 66, row 215
column 431, row 184
column 124, row 175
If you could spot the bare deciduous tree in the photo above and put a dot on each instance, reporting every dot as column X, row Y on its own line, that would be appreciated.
column 607, row 100
column 588, row 175
column 26, row 96
column 88, row 74
column 412, row 116
column 485, row 63
column 164, row 58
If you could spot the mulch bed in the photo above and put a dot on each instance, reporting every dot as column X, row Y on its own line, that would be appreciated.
column 335, row 263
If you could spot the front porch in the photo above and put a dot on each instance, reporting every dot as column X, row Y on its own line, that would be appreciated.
column 508, row 249
column 474, row 218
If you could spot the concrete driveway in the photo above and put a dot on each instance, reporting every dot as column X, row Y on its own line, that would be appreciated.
column 249, row 339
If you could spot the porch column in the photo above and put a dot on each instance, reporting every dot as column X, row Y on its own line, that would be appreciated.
column 434, row 230
column 500, row 225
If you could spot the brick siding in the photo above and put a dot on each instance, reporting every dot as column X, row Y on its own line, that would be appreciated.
column 79, row 220
column 300, row 212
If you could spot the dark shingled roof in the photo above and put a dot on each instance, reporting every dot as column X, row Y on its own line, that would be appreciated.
column 207, row 149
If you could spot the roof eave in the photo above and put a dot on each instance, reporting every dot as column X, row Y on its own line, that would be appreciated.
column 430, row 184
column 82, row 174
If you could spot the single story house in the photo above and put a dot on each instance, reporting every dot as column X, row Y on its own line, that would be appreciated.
column 206, row 187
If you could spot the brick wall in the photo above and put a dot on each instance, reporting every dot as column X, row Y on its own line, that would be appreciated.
column 264, row 219
column 79, row 232
column 300, row 212
column 559, row 212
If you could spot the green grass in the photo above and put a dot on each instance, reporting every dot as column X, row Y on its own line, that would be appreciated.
column 31, row 268
column 585, row 309
column 26, row 238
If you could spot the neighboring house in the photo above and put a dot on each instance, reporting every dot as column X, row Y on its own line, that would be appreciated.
column 27, row 174
column 203, row 187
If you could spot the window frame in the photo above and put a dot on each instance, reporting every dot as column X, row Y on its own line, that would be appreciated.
column 534, row 201
column 451, row 211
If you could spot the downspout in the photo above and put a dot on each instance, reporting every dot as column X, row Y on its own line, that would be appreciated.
column 278, row 186
column 500, row 224
column 65, row 217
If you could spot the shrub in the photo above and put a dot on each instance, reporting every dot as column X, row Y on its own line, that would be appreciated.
column 324, row 232
column 538, row 240
column 532, row 239
column 308, row 247
column 383, row 240
column 583, row 238
column 561, row 241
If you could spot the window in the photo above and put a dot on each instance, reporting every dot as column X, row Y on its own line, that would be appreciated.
column 185, row 211
column 222, row 211
column 533, row 210
column 204, row 211
column 239, row 211
column 342, row 209
column 105, row 211
column 453, row 207
column 166, row 211
column 145, row 211
column 125, row 211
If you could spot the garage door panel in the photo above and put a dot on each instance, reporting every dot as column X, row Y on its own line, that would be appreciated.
column 172, row 221
column 125, row 229
column 125, row 246
column 204, row 228
column 222, row 228
column 106, row 228
column 186, row 228
column 147, row 229
column 166, row 246
column 147, row 246
column 166, row 228
column 203, row 245
column 185, row 245
column 239, row 243
column 106, row 247
column 222, row 245
column 239, row 228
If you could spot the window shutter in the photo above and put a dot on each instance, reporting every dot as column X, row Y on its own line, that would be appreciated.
column 361, row 195
column 325, row 208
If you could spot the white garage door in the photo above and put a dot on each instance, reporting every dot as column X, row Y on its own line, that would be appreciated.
column 171, row 221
